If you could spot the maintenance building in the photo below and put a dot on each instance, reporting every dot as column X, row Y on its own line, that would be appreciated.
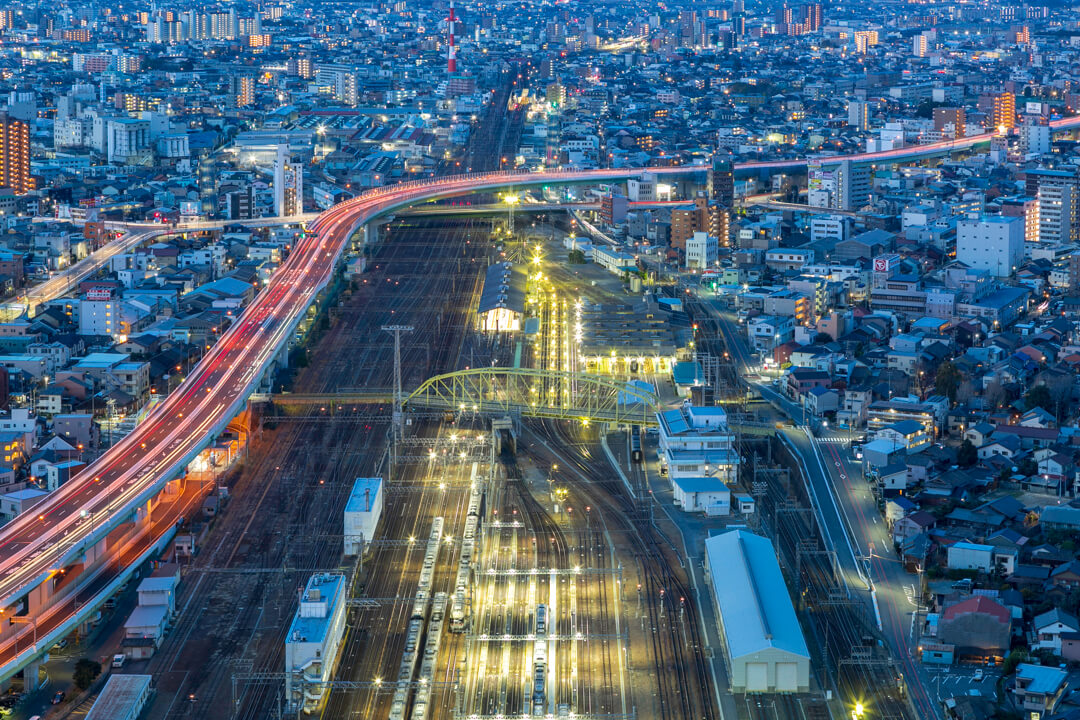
column 764, row 648
column 311, row 647
column 362, row 513
column 122, row 698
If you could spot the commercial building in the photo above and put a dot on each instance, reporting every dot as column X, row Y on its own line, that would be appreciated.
column 979, row 627
column 843, row 185
column 313, row 641
column 992, row 243
column 702, row 251
column 122, row 698
column 763, row 645
column 15, row 155
column 362, row 513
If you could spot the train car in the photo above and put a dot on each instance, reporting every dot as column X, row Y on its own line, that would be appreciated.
column 635, row 444
column 541, row 620
column 470, row 549
column 538, row 698
column 422, row 701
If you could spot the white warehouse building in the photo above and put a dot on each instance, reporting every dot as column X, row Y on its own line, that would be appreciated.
column 764, row 648
column 362, row 513
column 311, row 647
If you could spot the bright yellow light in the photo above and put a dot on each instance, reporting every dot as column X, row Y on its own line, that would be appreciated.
column 859, row 709
column 511, row 199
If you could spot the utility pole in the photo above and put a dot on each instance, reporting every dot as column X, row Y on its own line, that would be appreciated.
column 398, row 416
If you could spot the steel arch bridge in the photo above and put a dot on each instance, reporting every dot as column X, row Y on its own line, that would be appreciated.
column 536, row 393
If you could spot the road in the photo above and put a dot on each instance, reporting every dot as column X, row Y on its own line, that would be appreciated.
column 849, row 514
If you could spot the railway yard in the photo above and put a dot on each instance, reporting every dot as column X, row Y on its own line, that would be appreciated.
column 535, row 582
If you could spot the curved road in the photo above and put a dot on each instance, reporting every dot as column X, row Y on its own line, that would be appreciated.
column 36, row 545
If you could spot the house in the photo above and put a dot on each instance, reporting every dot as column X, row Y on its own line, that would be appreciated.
column 898, row 507
column 801, row 380
column 1048, row 627
column 892, row 479
column 1067, row 574
column 820, row 400
column 1005, row 446
column 912, row 524
column 1038, row 689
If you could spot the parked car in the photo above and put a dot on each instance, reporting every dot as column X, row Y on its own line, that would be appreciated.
column 978, row 676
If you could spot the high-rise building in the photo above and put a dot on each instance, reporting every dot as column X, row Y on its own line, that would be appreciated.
column 15, row 155
column 288, row 184
column 720, row 183
column 1040, row 184
column 1054, row 213
column 245, row 91
column 920, row 45
column 864, row 40
column 858, row 114
column 1003, row 112
column 712, row 219
column 843, row 185
column 951, row 121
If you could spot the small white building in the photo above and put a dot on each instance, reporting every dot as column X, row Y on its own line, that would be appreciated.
column 313, row 641
column 971, row 556
column 763, row 645
column 702, row 251
column 158, row 591
column 702, row 494
column 144, row 630
column 362, row 513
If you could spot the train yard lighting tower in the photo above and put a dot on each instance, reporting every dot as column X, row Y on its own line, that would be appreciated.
column 511, row 201
column 398, row 416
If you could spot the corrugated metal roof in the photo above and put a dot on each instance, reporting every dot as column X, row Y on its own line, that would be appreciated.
column 754, row 605
column 504, row 287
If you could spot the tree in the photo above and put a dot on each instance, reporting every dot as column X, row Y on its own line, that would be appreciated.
column 576, row 257
column 967, row 455
column 947, row 381
column 1013, row 659
column 1038, row 396
column 86, row 670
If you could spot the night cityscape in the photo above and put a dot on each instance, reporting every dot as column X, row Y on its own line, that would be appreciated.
column 465, row 360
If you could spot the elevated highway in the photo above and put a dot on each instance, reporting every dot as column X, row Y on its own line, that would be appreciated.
column 59, row 562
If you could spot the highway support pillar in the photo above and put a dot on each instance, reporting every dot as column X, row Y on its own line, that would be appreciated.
column 32, row 676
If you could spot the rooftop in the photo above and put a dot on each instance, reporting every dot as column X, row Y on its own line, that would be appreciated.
column 754, row 604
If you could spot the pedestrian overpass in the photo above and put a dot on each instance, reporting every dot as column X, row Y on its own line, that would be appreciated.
column 502, row 391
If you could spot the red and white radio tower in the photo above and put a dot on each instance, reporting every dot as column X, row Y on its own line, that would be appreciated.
column 451, row 58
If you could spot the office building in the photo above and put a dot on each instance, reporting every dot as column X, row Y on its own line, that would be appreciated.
column 702, row 251
column 993, row 243
column 15, row 155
